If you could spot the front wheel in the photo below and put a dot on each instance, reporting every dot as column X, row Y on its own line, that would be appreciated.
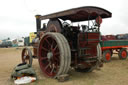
column 26, row 56
column 107, row 56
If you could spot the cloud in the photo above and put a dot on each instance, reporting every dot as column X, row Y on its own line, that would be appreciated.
column 17, row 16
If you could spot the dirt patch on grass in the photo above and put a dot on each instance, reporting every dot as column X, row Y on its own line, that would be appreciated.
column 113, row 73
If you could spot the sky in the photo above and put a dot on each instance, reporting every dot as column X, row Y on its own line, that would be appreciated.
column 17, row 17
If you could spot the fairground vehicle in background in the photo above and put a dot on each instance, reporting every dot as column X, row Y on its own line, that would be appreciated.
column 112, row 44
column 60, row 45
column 20, row 41
column 6, row 44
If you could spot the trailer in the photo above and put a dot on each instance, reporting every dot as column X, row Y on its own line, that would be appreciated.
column 60, row 45
column 110, row 47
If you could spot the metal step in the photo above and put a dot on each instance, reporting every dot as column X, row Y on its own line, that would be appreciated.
column 82, row 52
column 85, row 48
column 89, row 58
column 85, row 55
column 92, row 39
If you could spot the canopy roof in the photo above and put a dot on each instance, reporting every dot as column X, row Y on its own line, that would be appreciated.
column 79, row 14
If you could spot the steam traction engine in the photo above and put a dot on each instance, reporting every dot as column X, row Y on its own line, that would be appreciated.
column 60, row 45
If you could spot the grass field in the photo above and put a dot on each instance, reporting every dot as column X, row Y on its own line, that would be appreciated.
column 112, row 73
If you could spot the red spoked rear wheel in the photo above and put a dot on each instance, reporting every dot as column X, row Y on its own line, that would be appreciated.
column 54, row 55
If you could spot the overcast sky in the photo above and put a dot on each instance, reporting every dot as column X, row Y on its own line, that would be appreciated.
column 17, row 16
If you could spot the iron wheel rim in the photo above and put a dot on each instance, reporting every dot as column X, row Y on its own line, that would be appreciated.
column 26, row 56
